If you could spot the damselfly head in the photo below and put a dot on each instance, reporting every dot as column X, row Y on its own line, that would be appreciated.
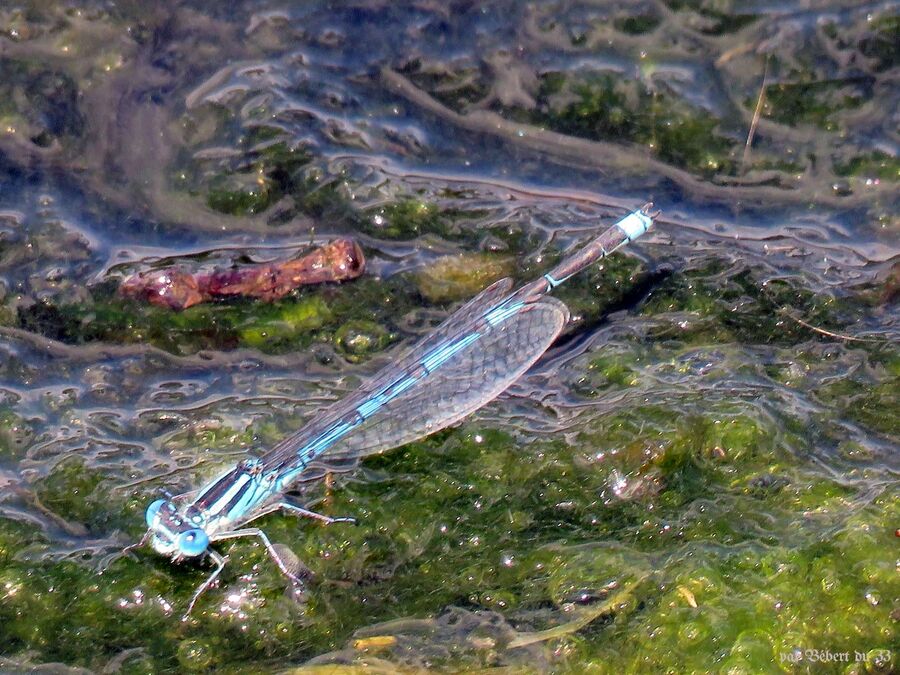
column 171, row 534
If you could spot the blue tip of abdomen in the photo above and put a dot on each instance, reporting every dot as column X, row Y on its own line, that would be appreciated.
column 635, row 224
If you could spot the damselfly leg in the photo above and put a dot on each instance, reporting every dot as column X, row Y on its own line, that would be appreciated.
column 273, row 554
column 138, row 544
column 295, row 510
column 270, row 548
column 220, row 564
column 112, row 557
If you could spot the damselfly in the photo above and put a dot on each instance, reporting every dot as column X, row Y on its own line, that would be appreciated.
column 467, row 361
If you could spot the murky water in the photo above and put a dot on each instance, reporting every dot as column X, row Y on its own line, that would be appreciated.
column 700, row 475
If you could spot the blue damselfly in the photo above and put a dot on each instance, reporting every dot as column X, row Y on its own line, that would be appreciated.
column 467, row 361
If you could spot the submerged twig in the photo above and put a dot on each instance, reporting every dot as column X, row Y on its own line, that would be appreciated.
column 525, row 639
column 828, row 333
column 177, row 288
column 756, row 115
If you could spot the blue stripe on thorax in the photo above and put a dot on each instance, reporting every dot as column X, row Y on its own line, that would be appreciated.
column 250, row 497
column 214, row 508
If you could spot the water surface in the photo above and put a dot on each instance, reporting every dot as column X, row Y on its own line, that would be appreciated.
column 700, row 475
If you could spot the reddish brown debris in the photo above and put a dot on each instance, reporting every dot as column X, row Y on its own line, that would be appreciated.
column 178, row 288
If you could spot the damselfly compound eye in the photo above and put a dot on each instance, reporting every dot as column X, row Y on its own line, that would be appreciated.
column 192, row 542
column 153, row 510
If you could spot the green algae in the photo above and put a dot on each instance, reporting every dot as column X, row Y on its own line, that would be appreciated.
column 693, row 626
column 738, row 307
column 601, row 287
column 289, row 324
column 718, row 19
column 409, row 217
column 457, row 277
column 872, row 165
column 213, row 435
column 866, row 402
column 601, row 111
column 614, row 371
column 358, row 339
column 882, row 42
column 290, row 321
column 242, row 195
column 405, row 219
column 15, row 435
column 274, row 169
column 451, row 516
column 480, row 496
column 296, row 321
column 756, row 555
column 637, row 24
column 74, row 492
column 810, row 102
column 611, row 108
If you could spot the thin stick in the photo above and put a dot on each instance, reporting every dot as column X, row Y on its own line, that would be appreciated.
column 756, row 115
column 525, row 639
column 829, row 333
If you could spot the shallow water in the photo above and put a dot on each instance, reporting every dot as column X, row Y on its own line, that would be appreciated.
column 700, row 475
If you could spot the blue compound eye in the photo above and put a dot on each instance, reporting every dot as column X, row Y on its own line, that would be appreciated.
column 192, row 542
column 152, row 510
